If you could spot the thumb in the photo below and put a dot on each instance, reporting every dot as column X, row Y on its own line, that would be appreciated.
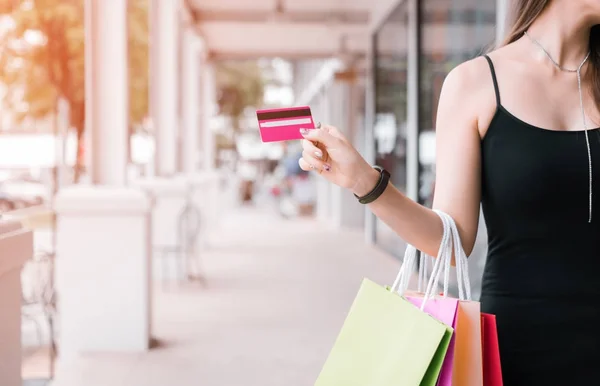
column 321, row 134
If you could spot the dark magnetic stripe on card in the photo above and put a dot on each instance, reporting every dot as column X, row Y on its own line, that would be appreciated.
column 283, row 114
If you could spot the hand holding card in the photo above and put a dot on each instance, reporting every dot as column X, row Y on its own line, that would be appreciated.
column 327, row 151
column 284, row 124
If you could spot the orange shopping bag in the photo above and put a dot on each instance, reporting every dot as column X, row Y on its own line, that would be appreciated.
column 468, row 363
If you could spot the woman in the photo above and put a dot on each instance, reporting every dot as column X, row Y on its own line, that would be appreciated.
column 519, row 134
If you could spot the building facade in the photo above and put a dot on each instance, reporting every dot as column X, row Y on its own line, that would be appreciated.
column 414, row 48
column 389, row 110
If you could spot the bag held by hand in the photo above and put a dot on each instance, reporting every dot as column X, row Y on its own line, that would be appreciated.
column 387, row 339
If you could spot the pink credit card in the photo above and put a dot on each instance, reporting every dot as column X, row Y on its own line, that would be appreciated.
column 284, row 124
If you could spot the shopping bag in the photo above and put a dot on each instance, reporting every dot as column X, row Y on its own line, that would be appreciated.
column 445, row 310
column 385, row 341
column 463, row 362
column 468, row 356
column 492, row 369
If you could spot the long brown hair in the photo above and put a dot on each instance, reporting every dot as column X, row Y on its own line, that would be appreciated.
column 524, row 14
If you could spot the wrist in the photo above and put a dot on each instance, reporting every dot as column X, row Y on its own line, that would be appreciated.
column 366, row 182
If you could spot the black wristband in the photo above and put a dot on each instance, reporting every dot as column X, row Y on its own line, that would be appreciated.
column 384, row 179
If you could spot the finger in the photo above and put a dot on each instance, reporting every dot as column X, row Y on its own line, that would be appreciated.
column 320, row 135
column 305, row 165
column 316, row 163
column 334, row 132
column 317, row 151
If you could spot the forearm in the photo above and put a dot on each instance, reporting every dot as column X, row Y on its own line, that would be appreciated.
column 414, row 223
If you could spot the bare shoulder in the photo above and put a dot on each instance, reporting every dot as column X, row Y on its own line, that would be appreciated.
column 477, row 70
column 468, row 95
column 468, row 76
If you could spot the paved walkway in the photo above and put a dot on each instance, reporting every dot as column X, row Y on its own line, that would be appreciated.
column 277, row 293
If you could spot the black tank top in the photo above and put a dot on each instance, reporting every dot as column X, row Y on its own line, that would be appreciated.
column 542, row 273
column 535, row 203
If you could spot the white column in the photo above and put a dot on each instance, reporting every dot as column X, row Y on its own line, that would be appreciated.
column 164, row 31
column 328, row 106
column 208, row 103
column 102, row 242
column 412, row 135
column 167, row 189
column 16, row 245
column 107, row 90
column 369, row 154
column 501, row 19
column 192, row 46
column 323, row 187
column 347, row 212
column 205, row 184
column 102, row 270
column 338, row 94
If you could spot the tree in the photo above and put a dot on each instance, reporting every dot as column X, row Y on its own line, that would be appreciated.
column 240, row 85
column 42, row 60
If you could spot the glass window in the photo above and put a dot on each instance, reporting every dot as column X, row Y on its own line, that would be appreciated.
column 452, row 32
column 390, row 75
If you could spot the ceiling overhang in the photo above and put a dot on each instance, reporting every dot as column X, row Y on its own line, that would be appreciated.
column 293, row 29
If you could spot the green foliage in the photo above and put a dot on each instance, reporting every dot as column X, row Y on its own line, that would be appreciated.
column 42, row 58
column 36, row 59
column 139, row 60
column 240, row 85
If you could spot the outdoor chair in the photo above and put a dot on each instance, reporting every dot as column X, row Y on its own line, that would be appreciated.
column 39, row 306
column 186, row 262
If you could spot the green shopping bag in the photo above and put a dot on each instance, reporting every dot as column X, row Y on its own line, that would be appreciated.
column 386, row 341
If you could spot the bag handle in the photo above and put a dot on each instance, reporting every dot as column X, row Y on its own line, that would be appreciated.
column 443, row 262
column 449, row 245
column 410, row 256
column 462, row 262
column 454, row 246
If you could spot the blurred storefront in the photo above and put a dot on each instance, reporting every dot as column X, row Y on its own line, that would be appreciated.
column 388, row 110
column 414, row 48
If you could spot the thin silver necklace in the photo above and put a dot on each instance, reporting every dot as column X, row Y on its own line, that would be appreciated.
column 585, row 126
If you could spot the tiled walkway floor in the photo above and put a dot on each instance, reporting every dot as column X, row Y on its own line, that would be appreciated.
column 276, row 295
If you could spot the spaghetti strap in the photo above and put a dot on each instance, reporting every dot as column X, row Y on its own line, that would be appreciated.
column 493, row 71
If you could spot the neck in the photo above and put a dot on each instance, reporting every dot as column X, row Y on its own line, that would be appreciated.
column 563, row 29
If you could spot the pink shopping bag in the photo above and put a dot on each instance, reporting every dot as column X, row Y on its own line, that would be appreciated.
column 445, row 310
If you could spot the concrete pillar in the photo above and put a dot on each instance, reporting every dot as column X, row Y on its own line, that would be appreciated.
column 208, row 109
column 102, row 270
column 369, row 149
column 502, row 14
column 107, row 92
column 164, row 37
column 321, row 114
column 16, row 245
column 191, row 66
column 338, row 92
column 412, row 127
column 167, row 189
column 103, row 233
column 346, row 211
column 198, row 144
column 206, row 185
